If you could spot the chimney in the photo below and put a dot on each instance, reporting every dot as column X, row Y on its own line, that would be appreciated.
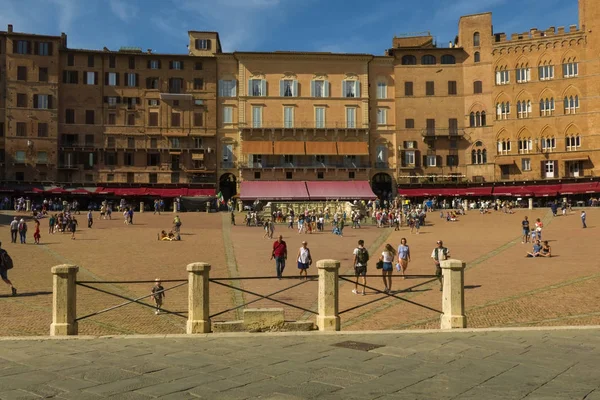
column 10, row 28
column 450, row 45
column 149, row 51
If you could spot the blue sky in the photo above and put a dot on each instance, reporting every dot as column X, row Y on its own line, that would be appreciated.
column 267, row 25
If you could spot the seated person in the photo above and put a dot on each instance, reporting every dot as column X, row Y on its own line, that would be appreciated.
column 163, row 236
column 537, row 248
column 171, row 235
column 546, row 250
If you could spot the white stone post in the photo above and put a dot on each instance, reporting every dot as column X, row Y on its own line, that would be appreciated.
column 208, row 207
column 328, row 318
column 453, row 296
column 174, row 207
column 530, row 203
column 198, row 298
column 141, row 206
column 27, row 205
column 64, row 300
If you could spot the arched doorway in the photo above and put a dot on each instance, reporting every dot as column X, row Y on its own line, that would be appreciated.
column 228, row 186
column 382, row 185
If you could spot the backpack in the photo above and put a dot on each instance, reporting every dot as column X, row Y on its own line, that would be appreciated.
column 5, row 261
column 362, row 257
column 444, row 252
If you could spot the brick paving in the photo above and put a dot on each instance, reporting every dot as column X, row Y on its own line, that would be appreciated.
column 504, row 288
column 505, row 364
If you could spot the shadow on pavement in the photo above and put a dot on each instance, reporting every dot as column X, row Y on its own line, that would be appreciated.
column 30, row 294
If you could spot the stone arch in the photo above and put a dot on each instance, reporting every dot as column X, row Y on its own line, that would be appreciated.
column 546, row 93
column 523, row 95
column 544, row 59
column 524, row 133
column 547, row 131
column 522, row 62
column 571, row 90
column 501, row 64
column 569, row 56
column 502, row 97
column 572, row 129
column 228, row 185
column 502, row 134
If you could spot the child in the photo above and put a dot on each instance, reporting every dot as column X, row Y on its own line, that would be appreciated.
column 36, row 234
column 158, row 294
column 90, row 219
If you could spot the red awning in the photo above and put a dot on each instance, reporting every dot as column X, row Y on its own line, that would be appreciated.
column 171, row 192
column 272, row 190
column 127, row 191
column 347, row 190
column 201, row 192
column 477, row 191
column 545, row 190
column 80, row 191
column 579, row 188
column 522, row 191
column 56, row 190
column 432, row 192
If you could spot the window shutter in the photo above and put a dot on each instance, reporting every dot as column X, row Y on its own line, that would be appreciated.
column 281, row 88
column 263, row 86
column 249, row 87
column 170, row 64
column 35, row 101
column 159, row 64
column 344, row 88
column 181, row 63
column 49, row 101
column 106, row 99
column 36, row 48
column 15, row 47
column 117, row 76
column 357, row 87
column 425, row 161
column 64, row 76
column 208, row 44
column 137, row 101
column 106, row 78
column 312, row 89
column 403, row 157
column 543, row 168
column 118, row 100
column 29, row 49
column 149, row 66
column 438, row 161
column 76, row 74
column 326, row 88
column 95, row 78
column 137, row 80
column 125, row 78
column 234, row 89
column 49, row 48
column 197, row 44
column 295, row 88
column 556, row 169
column 220, row 88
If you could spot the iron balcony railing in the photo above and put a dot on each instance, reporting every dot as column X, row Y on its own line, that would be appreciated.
column 303, row 125
column 257, row 165
column 435, row 132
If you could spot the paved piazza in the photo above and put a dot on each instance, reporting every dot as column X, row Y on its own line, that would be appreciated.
column 503, row 287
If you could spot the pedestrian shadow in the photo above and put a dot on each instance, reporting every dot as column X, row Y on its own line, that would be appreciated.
column 77, row 238
column 187, row 234
column 30, row 294
column 472, row 286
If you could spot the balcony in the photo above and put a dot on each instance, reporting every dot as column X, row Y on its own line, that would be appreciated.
column 304, row 126
column 442, row 132
column 71, row 166
column 297, row 165
column 69, row 144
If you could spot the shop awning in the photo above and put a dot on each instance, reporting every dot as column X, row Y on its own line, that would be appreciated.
column 477, row 191
column 56, row 190
column 505, row 161
column 579, row 188
column 81, row 191
column 321, row 148
column 582, row 158
column 545, row 190
column 201, row 192
column 432, row 192
column 139, row 191
column 346, row 190
column 257, row 147
column 197, row 156
column 291, row 148
column 171, row 192
column 353, row 148
column 524, row 191
column 273, row 190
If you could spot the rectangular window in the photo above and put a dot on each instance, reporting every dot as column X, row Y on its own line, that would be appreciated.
column 70, row 59
column 319, row 88
column 523, row 74
column 350, row 117
column 546, row 72
column 178, row 65
column 111, row 78
column 201, row 44
column 20, row 156
column 43, row 74
column 381, row 90
column 288, row 117
column 21, row 100
column 289, row 175
column 570, row 70
column 547, row 107
column 91, row 60
column 69, row 116
column 112, row 61
column 350, row 88
column 153, row 177
column 257, row 87
column 42, row 129
column 154, row 64
column 198, row 119
column 502, row 77
column 131, row 79
column 431, row 161
column 153, row 119
column 175, row 85
column 128, row 159
column 22, row 47
column 288, row 88
column 42, row 101
column 228, row 115
column 175, row 119
column 111, row 119
column 198, row 66
column 452, row 87
column 21, row 129
column 409, row 157
column 153, row 159
column 91, row 78
column 153, row 102
column 42, row 157
column 198, row 84
column 89, row 117
column 430, row 124
column 382, row 116
column 110, row 158
column 429, row 88
column 70, row 77
column 256, row 116
column 409, row 123
column 21, row 73
column 320, row 117
column 453, row 126
column 408, row 88
column 131, row 119
column 526, row 164
column 112, row 101
column 227, row 88
column 571, row 104
column 44, row 49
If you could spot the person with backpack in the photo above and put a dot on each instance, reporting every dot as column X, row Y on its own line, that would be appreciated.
column 22, row 230
column 6, row 263
column 361, row 257
column 440, row 253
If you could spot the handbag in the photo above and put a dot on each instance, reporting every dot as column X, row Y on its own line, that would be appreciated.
column 379, row 264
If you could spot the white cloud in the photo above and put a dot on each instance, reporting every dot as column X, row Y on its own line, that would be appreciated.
column 124, row 10
column 67, row 11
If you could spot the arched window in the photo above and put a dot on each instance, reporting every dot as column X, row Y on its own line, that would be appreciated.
column 448, row 59
column 504, row 146
column 484, row 156
column 546, row 107
column 476, row 41
column 571, row 104
column 428, row 59
column 573, row 142
column 477, row 57
column 524, row 109
column 474, row 157
column 472, row 120
column 525, row 145
column 502, row 110
column 409, row 60
column 477, row 119
column 483, row 121
column 479, row 156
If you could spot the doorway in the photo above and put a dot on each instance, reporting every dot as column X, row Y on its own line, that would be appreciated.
column 382, row 185
column 228, row 186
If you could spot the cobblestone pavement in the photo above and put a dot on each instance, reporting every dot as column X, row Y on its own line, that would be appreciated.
column 503, row 287
column 505, row 364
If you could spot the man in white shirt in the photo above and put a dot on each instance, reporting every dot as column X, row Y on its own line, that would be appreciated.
column 440, row 253
column 14, row 228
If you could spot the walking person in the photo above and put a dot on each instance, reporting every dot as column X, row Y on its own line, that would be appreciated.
column 539, row 225
column 583, row 217
column 232, row 217
column 158, row 294
column 14, row 230
column 361, row 258
column 525, row 226
column 90, row 219
column 23, row 230
column 6, row 263
column 279, row 253
column 73, row 227
column 387, row 256
column 403, row 256
column 440, row 253
column 304, row 259
column 36, row 233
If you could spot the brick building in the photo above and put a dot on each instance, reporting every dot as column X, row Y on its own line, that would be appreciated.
column 485, row 108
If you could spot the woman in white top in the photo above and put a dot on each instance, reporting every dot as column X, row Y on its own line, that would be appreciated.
column 304, row 259
column 387, row 257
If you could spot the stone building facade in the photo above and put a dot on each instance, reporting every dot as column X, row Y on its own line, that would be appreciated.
column 487, row 107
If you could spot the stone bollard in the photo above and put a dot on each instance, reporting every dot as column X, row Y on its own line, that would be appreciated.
column 328, row 318
column 198, row 298
column 174, row 207
column 453, row 296
column 27, row 205
column 530, row 203
column 141, row 206
column 64, row 300
column 207, row 207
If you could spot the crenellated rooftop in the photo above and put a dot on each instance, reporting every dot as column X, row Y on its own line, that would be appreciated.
column 535, row 33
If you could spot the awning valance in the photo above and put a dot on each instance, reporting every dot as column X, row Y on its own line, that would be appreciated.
column 505, row 161
column 257, row 147
column 291, row 148
column 579, row 188
column 273, row 190
column 321, row 148
column 343, row 190
column 353, row 148
column 524, row 191
column 576, row 159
